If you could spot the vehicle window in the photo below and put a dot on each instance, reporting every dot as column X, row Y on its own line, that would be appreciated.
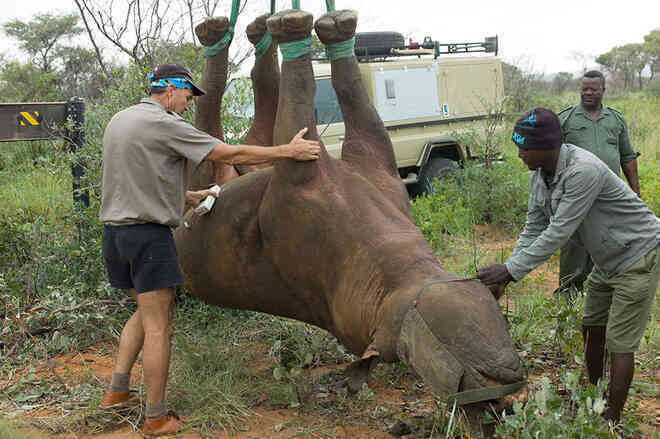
column 326, row 106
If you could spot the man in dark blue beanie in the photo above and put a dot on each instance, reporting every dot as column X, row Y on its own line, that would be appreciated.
column 574, row 195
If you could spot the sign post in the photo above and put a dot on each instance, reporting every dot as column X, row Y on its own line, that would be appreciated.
column 46, row 120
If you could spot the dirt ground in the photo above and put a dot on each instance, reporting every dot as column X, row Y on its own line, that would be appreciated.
column 267, row 421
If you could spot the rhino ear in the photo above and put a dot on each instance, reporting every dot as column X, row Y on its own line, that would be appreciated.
column 358, row 371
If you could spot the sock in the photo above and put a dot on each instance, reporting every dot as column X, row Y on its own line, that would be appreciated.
column 120, row 382
column 156, row 410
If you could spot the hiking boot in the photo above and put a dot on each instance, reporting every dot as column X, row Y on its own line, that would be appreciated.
column 115, row 399
column 168, row 424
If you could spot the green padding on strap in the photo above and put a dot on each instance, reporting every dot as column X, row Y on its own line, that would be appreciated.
column 210, row 51
column 484, row 394
column 295, row 49
column 330, row 4
column 262, row 46
column 343, row 49
column 295, row 4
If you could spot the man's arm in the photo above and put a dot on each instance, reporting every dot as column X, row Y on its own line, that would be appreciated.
column 298, row 149
column 630, row 171
column 628, row 157
column 582, row 189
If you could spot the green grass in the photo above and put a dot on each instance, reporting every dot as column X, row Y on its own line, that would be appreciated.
column 214, row 375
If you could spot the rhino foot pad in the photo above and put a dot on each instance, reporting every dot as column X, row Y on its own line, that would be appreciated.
column 257, row 29
column 290, row 25
column 211, row 30
column 336, row 26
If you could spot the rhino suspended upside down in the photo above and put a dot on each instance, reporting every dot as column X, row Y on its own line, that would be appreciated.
column 332, row 243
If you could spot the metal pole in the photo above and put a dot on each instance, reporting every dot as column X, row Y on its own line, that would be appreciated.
column 76, row 111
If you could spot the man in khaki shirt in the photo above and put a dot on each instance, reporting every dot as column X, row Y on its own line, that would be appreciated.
column 148, row 150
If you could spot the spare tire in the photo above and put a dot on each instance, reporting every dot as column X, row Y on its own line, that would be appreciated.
column 377, row 43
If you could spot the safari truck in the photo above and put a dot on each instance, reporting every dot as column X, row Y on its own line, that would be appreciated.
column 422, row 98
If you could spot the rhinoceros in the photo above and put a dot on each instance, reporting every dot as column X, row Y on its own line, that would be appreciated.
column 332, row 242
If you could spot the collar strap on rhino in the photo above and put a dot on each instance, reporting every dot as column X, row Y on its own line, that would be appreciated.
column 418, row 341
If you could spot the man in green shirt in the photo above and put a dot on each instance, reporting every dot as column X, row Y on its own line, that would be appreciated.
column 603, row 132
column 574, row 195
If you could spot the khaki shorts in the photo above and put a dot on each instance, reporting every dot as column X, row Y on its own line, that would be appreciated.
column 623, row 302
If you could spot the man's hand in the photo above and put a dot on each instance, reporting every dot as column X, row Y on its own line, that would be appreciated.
column 196, row 197
column 494, row 274
column 301, row 149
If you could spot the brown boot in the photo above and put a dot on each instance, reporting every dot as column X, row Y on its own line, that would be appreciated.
column 168, row 424
column 115, row 399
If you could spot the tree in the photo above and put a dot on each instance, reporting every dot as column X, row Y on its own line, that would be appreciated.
column 561, row 82
column 42, row 36
column 652, row 50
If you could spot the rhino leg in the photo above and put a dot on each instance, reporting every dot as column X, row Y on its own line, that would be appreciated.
column 209, row 107
column 265, row 77
column 295, row 109
column 366, row 143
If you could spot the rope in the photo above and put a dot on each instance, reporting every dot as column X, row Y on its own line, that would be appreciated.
column 342, row 49
column 295, row 4
column 330, row 4
column 272, row 7
column 296, row 49
column 210, row 51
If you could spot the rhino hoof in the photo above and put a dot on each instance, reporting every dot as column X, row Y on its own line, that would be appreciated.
column 290, row 25
column 257, row 29
column 211, row 30
column 336, row 26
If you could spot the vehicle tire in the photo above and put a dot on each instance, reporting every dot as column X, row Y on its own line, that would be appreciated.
column 377, row 43
column 435, row 168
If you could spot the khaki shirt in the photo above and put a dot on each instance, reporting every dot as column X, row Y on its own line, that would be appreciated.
column 606, row 137
column 147, row 153
column 587, row 199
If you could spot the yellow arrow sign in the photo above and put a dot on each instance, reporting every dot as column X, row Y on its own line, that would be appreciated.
column 29, row 117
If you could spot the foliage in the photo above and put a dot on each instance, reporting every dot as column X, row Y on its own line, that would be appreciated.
column 42, row 36
column 627, row 62
column 548, row 414
column 477, row 195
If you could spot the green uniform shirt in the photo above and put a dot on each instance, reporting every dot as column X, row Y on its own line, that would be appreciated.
column 584, row 198
column 147, row 154
column 606, row 137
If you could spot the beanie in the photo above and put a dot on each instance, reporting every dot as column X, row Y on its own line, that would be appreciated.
column 538, row 128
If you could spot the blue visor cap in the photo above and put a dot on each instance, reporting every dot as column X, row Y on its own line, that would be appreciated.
column 173, row 74
column 164, row 82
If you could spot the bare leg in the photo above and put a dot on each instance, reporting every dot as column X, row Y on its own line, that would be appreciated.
column 130, row 342
column 154, row 308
